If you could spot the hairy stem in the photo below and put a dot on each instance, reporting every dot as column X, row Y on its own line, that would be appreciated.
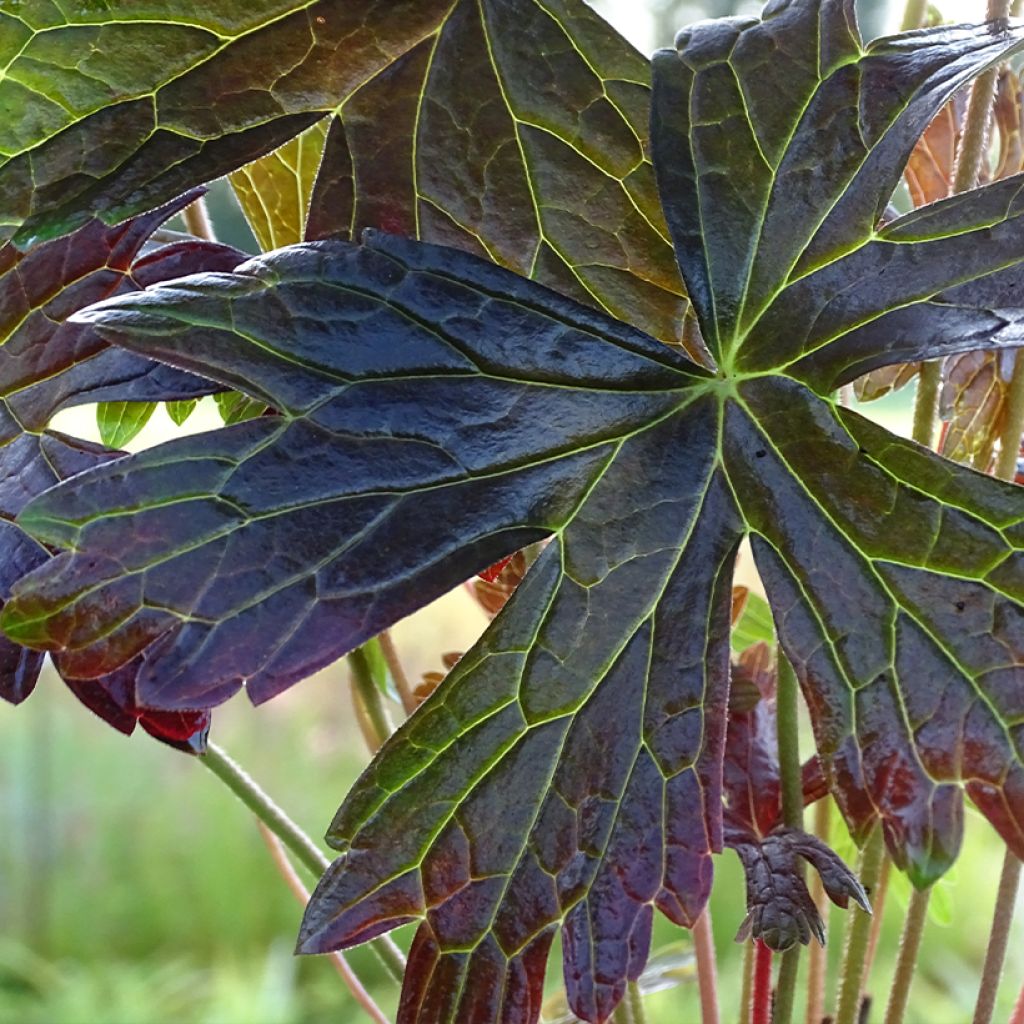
column 249, row 792
column 858, row 932
column 707, row 969
column 788, row 733
column 405, row 694
column 974, row 143
column 291, row 878
column 999, row 936
column 301, row 846
column 761, row 1009
column 878, row 912
column 926, row 402
column 816, row 959
column 369, row 700
column 906, row 961
column 197, row 220
column 1013, row 424
column 747, row 991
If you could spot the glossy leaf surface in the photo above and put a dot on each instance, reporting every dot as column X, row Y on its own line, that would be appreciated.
column 438, row 412
column 116, row 107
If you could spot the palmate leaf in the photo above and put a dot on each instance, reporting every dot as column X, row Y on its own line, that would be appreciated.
column 439, row 412
column 118, row 106
column 47, row 365
column 517, row 131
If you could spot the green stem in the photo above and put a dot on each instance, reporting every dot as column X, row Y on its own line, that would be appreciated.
column 788, row 733
column 631, row 1009
column 858, row 932
column 906, row 961
column 1013, row 425
column 926, row 404
column 998, row 938
column 238, row 780
column 248, row 791
column 914, row 14
column 370, row 700
column 635, row 998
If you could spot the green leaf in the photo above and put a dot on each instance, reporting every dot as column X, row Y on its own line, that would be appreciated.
column 379, row 671
column 115, row 107
column 517, row 131
column 179, row 412
column 755, row 625
column 274, row 191
column 437, row 412
column 235, row 407
column 120, row 422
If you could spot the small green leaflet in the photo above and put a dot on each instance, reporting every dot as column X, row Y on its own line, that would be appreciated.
column 120, row 422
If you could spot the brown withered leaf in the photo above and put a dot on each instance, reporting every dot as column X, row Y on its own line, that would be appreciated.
column 973, row 403
column 884, row 381
column 1008, row 116
column 930, row 169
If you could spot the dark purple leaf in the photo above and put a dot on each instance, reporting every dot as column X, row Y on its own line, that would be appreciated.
column 438, row 412
column 47, row 364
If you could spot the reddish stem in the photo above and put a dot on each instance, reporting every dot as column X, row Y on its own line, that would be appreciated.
column 762, row 1002
column 1017, row 1017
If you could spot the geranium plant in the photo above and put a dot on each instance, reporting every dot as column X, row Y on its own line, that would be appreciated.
column 539, row 305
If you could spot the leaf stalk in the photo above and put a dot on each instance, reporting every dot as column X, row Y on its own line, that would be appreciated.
column 788, row 737
column 369, row 701
column 995, row 955
column 858, row 932
column 241, row 783
column 707, row 969
column 906, row 961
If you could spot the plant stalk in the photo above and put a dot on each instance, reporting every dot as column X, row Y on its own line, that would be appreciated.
column 761, row 1009
column 906, row 961
column 816, row 959
column 291, row 878
column 707, row 969
column 747, row 991
column 858, row 932
column 788, row 735
column 1017, row 1016
column 878, row 911
column 913, row 17
column 197, row 220
column 369, row 700
column 999, row 936
column 397, row 670
column 301, row 846
column 635, row 998
column 1013, row 425
column 926, row 402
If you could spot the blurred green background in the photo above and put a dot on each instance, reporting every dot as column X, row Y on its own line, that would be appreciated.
column 134, row 889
